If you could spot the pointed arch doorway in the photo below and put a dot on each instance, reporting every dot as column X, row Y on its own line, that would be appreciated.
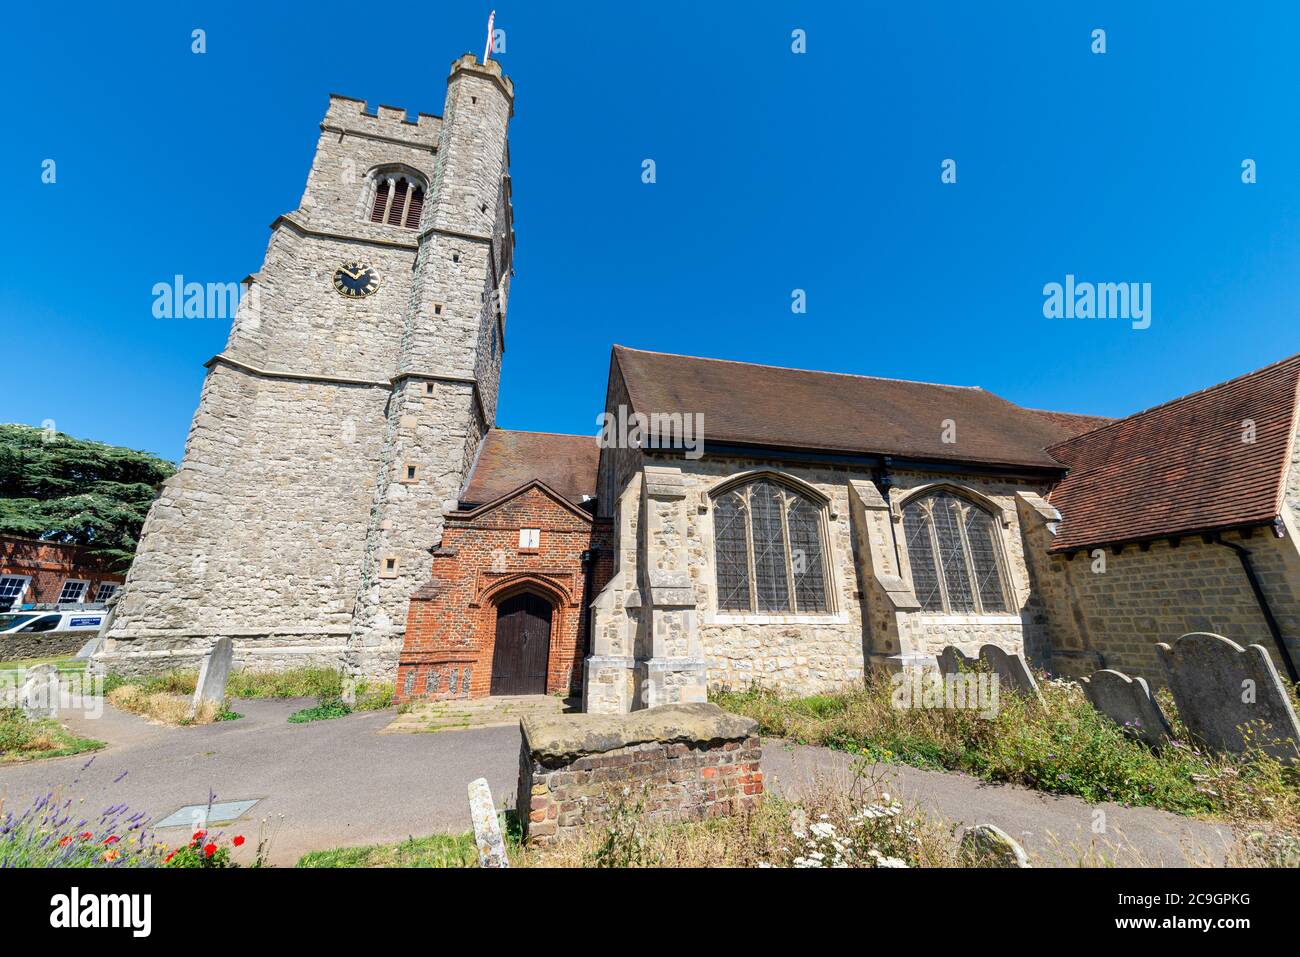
column 523, row 645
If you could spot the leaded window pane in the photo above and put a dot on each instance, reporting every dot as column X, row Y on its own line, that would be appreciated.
column 803, row 519
column 952, row 558
column 731, row 548
column 920, row 553
column 766, row 505
column 980, row 533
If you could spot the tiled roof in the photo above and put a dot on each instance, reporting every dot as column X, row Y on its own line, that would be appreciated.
column 507, row 460
column 1183, row 466
column 770, row 406
column 1072, row 423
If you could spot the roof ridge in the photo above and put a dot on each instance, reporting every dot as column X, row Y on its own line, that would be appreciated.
column 847, row 375
column 563, row 435
column 1156, row 408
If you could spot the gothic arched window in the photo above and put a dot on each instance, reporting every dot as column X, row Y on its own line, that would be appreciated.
column 769, row 550
column 956, row 558
column 396, row 199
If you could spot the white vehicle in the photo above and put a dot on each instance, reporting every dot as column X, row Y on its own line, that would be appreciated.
column 31, row 622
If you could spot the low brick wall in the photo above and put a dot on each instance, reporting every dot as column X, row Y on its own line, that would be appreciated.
column 685, row 762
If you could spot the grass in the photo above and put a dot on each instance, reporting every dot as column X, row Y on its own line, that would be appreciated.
column 837, row 824
column 64, row 663
column 322, row 712
column 322, row 683
column 165, row 707
column 1063, row 747
column 25, row 739
column 440, row 850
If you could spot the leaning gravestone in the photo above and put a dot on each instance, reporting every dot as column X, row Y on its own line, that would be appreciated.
column 1230, row 697
column 39, row 696
column 1012, row 671
column 213, row 674
column 487, row 830
column 1129, row 703
column 986, row 845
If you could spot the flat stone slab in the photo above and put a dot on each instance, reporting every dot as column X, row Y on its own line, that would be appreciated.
column 200, row 815
column 464, row 714
column 561, row 739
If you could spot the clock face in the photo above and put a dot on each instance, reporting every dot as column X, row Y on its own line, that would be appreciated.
column 355, row 280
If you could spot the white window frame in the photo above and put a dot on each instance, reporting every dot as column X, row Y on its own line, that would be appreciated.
column 18, row 596
column 99, row 592
column 81, row 597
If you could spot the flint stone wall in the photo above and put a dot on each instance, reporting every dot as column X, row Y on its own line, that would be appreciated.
column 41, row 645
column 685, row 762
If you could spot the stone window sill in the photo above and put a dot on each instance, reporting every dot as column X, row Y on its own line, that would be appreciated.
column 730, row 618
column 925, row 618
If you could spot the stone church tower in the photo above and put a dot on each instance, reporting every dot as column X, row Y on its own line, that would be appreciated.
column 360, row 375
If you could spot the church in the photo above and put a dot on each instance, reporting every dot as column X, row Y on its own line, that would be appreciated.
column 347, row 500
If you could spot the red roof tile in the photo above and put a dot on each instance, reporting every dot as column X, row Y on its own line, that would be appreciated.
column 507, row 460
column 771, row 406
column 1181, row 467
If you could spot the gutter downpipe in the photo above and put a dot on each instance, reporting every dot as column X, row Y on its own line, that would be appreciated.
column 1273, row 629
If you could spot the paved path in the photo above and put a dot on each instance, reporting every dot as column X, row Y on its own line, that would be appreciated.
column 1054, row 830
column 342, row 782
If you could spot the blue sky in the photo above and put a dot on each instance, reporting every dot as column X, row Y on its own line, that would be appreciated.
column 775, row 172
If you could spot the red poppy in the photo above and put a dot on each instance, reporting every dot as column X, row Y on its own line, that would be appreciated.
column 210, row 850
column 238, row 841
column 86, row 835
column 169, row 857
column 65, row 841
column 112, row 839
column 198, row 836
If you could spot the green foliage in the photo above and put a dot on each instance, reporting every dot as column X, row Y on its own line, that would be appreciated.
column 328, row 708
column 74, row 491
column 22, row 738
column 1063, row 747
column 440, row 850
column 320, row 683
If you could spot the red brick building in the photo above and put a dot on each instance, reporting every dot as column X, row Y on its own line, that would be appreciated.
column 504, row 611
column 33, row 571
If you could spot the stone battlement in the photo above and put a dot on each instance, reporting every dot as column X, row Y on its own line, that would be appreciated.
column 349, row 113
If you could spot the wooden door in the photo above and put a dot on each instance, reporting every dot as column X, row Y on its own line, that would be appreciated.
column 523, row 645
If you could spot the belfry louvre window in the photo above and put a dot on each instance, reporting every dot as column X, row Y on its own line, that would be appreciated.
column 769, row 550
column 398, row 202
column 956, row 559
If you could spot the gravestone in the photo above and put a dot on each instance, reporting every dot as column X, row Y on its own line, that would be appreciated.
column 39, row 696
column 1129, row 703
column 213, row 674
column 487, row 830
column 986, row 845
column 1231, row 697
column 1012, row 671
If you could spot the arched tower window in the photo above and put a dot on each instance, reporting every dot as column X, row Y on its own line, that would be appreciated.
column 769, row 550
column 397, row 199
column 955, row 554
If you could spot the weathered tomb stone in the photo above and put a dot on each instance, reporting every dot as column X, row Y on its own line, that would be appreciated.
column 39, row 695
column 1012, row 671
column 213, row 675
column 1231, row 697
column 1129, row 703
column 487, row 829
column 986, row 845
